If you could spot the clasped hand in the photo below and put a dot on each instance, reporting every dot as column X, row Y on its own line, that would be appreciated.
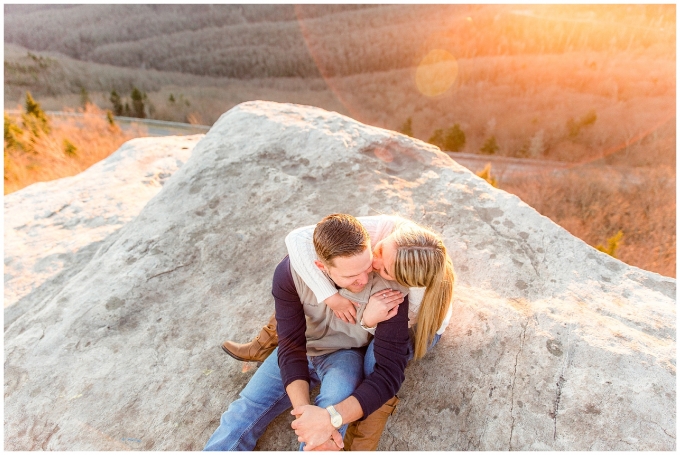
column 313, row 427
column 382, row 306
column 343, row 308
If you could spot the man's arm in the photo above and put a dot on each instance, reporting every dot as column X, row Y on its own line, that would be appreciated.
column 292, row 356
column 390, row 347
column 300, row 246
column 291, row 326
column 313, row 424
column 298, row 392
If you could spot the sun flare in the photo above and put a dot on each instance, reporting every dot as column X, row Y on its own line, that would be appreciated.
column 436, row 72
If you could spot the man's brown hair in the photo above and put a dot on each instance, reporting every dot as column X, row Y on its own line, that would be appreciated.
column 339, row 235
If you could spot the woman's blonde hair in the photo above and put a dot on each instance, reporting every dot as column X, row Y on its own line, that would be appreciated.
column 422, row 261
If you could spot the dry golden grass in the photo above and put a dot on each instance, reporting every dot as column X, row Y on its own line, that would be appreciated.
column 594, row 203
column 92, row 136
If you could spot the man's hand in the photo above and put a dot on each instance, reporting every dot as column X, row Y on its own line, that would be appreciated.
column 313, row 426
column 382, row 306
column 333, row 444
column 343, row 308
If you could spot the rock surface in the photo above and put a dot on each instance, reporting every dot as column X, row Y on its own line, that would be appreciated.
column 552, row 345
column 48, row 223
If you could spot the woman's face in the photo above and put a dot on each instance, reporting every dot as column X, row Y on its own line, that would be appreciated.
column 384, row 256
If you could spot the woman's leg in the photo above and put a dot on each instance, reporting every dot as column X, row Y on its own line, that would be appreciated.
column 365, row 435
column 369, row 360
column 412, row 342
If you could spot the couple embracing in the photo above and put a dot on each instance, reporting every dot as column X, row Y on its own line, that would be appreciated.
column 355, row 300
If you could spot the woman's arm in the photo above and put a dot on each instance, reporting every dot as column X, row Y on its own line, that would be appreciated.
column 302, row 255
column 382, row 305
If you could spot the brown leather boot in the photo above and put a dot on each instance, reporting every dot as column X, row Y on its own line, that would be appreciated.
column 364, row 435
column 259, row 348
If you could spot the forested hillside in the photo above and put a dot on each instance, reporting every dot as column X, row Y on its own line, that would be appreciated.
column 246, row 41
column 216, row 40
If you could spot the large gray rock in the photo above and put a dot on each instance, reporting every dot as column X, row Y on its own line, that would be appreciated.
column 552, row 346
column 47, row 224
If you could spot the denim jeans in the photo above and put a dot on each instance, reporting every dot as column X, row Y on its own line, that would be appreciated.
column 369, row 358
column 264, row 397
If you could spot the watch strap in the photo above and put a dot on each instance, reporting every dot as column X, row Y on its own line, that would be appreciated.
column 336, row 418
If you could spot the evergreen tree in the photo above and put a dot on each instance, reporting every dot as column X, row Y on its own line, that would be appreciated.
column 34, row 119
column 490, row 147
column 109, row 118
column 407, row 127
column 612, row 244
column 137, row 103
column 454, row 139
column 117, row 103
column 70, row 149
column 574, row 127
column 589, row 118
column 437, row 138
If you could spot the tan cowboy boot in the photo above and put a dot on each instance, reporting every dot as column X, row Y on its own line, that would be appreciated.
column 364, row 435
column 258, row 349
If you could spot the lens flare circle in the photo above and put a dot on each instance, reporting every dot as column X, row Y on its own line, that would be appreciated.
column 436, row 72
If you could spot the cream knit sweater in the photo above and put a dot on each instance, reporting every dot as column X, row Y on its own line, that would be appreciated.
column 302, row 256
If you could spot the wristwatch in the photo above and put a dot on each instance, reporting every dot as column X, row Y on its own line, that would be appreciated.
column 336, row 418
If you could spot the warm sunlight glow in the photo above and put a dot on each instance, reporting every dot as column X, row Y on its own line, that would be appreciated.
column 436, row 73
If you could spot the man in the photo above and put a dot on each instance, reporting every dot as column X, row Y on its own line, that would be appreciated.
column 317, row 347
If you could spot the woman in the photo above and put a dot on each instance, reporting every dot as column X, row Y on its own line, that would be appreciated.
column 404, row 252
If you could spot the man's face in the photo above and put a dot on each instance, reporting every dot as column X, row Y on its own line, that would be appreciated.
column 350, row 272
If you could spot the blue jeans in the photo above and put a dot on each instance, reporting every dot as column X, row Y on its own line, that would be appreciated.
column 264, row 397
column 369, row 358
